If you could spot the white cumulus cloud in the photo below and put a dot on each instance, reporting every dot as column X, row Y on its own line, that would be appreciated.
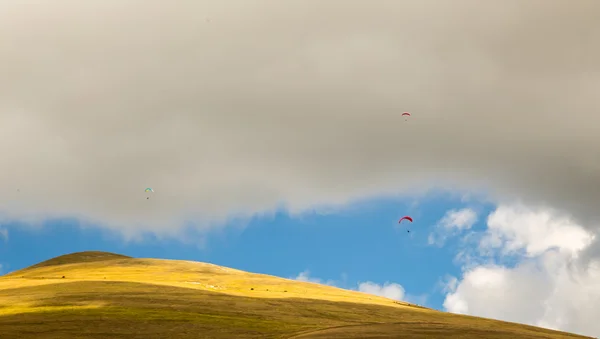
column 305, row 276
column 514, row 228
column 387, row 290
column 452, row 223
column 545, row 286
column 461, row 219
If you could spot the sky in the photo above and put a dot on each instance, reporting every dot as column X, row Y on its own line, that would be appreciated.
column 272, row 135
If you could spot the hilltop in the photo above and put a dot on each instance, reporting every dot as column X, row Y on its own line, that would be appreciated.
column 106, row 295
column 78, row 258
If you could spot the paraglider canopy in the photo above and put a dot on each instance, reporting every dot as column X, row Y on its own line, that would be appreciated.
column 406, row 115
column 149, row 190
column 406, row 218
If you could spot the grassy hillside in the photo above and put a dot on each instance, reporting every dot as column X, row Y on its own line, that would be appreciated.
column 105, row 295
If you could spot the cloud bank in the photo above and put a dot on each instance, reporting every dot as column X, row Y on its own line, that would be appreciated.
column 543, row 283
column 238, row 108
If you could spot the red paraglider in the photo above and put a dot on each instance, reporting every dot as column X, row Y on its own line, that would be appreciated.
column 406, row 218
column 406, row 115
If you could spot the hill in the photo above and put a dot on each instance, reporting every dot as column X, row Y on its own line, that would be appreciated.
column 105, row 295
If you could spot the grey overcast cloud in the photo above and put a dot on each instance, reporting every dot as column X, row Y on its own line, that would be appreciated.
column 238, row 107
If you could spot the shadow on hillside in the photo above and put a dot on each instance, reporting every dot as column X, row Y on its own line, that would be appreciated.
column 140, row 310
column 77, row 258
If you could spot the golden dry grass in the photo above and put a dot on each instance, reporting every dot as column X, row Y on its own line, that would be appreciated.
column 103, row 295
